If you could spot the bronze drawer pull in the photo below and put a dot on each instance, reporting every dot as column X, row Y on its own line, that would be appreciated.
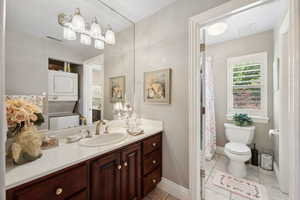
column 119, row 167
column 154, row 181
column 154, row 162
column 59, row 191
column 125, row 164
column 154, row 144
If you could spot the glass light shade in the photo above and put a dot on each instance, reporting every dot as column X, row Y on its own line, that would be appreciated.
column 99, row 44
column 95, row 30
column 78, row 22
column 217, row 29
column 118, row 106
column 69, row 34
column 85, row 39
column 110, row 37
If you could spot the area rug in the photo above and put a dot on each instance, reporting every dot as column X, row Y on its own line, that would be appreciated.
column 239, row 186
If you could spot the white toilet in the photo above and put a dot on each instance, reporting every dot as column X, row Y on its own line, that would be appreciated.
column 237, row 150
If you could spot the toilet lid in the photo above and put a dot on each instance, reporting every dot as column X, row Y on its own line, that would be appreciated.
column 237, row 148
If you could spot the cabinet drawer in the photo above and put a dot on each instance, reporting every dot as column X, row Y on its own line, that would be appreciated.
column 58, row 187
column 80, row 196
column 151, row 180
column 152, row 144
column 151, row 161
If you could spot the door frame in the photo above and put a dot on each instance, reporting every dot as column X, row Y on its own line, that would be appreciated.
column 96, row 63
column 194, row 91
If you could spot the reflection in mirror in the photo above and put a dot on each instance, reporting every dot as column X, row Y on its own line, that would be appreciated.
column 69, row 52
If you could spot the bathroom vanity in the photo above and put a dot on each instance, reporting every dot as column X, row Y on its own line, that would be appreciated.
column 126, row 171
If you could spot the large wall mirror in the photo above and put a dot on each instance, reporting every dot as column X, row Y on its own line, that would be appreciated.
column 76, row 54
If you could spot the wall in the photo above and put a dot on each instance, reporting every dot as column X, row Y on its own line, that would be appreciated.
column 2, row 92
column 220, row 53
column 162, row 42
column 27, row 63
column 119, row 61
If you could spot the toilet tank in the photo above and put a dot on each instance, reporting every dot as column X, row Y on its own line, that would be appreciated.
column 239, row 134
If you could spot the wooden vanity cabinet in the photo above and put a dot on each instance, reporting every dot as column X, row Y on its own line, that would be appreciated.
column 68, row 184
column 129, row 173
column 105, row 177
column 117, row 176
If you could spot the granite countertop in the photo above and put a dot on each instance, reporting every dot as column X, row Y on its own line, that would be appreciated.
column 67, row 155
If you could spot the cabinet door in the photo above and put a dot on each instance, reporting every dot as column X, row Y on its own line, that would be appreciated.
column 131, row 173
column 62, row 85
column 105, row 178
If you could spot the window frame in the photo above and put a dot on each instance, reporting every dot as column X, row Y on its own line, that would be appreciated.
column 260, row 115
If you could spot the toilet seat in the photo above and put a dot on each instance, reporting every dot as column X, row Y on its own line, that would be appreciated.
column 237, row 148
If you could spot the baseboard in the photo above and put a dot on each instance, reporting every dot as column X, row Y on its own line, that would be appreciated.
column 174, row 189
column 220, row 150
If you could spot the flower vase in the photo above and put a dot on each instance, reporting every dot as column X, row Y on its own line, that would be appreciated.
column 27, row 145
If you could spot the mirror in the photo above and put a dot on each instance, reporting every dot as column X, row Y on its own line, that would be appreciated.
column 78, row 55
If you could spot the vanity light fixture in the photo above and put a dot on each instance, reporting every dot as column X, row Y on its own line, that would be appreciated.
column 99, row 44
column 110, row 36
column 85, row 39
column 217, row 28
column 69, row 34
column 75, row 24
column 78, row 23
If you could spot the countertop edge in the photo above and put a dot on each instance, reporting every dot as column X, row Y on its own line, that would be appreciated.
column 57, row 169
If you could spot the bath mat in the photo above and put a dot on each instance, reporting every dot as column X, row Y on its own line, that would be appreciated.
column 239, row 186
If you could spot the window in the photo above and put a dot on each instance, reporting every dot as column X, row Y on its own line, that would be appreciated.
column 247, row 86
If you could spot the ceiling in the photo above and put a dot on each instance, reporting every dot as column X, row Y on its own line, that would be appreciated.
column 136, row 10
column 255, row 20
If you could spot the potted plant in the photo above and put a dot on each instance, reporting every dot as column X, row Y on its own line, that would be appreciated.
column 242, row 120
column 22, row 119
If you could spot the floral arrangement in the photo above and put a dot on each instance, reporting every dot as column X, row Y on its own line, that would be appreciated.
column 242, row 120
column 21, row 113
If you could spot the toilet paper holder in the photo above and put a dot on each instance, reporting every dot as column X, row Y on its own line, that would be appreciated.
column 274, row 132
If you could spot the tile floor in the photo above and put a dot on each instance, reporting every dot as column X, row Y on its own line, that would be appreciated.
column 159, row 194
column 213, row 192
column 254, row 174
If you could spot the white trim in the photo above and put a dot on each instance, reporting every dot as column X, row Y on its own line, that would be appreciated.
column 294, row 99
column 174, row 189
column 194, row 92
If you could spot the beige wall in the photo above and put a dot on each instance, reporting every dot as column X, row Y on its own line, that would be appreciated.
column 119, row 61
column 220, row 52
column 162, row 42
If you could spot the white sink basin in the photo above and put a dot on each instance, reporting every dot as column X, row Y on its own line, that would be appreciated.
column 103, row 140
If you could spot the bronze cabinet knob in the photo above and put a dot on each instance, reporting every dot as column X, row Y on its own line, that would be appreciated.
column 59, row 191
column 154, row 161
column 125, row 164
column 154, row 144
column 119, row 167
column 154, row 181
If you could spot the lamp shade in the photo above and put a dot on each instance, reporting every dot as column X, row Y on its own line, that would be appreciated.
column 69, row 34
column 78, row 22
column 110, row 37
column 85, row 39
column 95, row 29
column 99, row 44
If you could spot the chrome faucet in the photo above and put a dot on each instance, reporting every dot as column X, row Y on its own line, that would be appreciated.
column 99, row 124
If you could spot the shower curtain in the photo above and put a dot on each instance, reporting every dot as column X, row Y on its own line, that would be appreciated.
column 210, row 122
